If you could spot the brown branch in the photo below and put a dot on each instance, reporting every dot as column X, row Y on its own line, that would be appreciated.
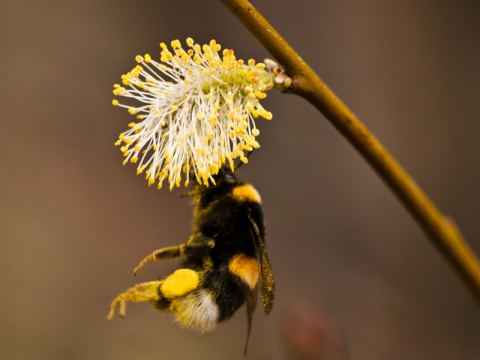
column 306, row 83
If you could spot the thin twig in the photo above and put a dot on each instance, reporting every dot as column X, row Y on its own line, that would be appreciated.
column 442, row 231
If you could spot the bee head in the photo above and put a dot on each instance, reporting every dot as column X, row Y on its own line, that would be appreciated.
column 226, row 174
column 225, row 181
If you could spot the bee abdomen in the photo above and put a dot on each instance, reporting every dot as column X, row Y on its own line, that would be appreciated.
column 197, row 311
column 246, row 268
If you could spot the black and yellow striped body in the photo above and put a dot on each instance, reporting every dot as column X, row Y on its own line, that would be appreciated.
column 230, row 270
column 224, row 263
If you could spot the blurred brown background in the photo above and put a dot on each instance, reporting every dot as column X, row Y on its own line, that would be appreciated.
column 74, row 221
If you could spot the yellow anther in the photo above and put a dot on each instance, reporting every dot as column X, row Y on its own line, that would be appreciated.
column 138, row 58
column 262, row 87
column 132, row 111
column 267, row 115
column 176, row 44
column 197, row 59
column 115, row 102
column 260, row 95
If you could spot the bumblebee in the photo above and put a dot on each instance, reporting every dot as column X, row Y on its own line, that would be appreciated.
column 224, row 263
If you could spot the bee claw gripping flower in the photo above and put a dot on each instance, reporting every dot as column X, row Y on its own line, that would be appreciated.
column 197, row 112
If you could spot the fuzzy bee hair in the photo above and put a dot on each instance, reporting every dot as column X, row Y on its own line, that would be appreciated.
column 224, row 263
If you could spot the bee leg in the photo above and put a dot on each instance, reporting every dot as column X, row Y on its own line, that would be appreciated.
column 147, row 291
column 189, row 193
column 198, row 245
column 171, row 252
column 180, row 283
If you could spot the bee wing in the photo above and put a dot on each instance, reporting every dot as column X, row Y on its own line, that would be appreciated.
column 251, row 306
column 268, row 282
column 266, row 274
